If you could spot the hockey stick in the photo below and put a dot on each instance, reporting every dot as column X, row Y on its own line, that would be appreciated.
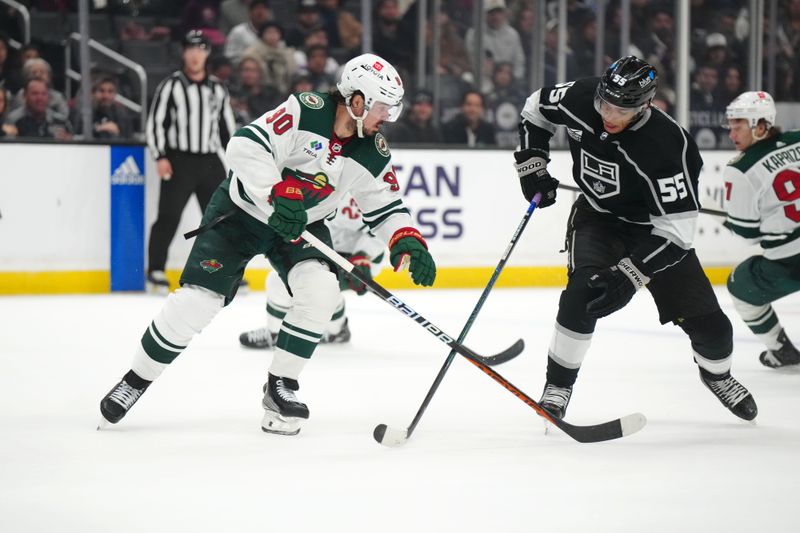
column 704, row 210
column 395, row 437
column 506, row 355
column 613, row 429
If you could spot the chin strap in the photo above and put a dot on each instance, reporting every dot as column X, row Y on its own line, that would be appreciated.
column 359, row 120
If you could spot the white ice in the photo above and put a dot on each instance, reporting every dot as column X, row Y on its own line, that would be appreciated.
column 191, row 455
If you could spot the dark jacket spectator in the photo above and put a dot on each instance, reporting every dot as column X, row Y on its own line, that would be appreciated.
column 6, row 130
column 417, row 124
column 109, row 119
column 250, row 97
column 9, row 76
column 344, row 30
column 468, row 127
column 232, row 13
column 35, row 118
column 316, row 63
column 307, row 20
column 388, row 41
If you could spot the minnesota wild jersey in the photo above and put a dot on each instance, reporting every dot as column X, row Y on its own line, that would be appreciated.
column 762, row 195
column 296, row 140
column 350, row 234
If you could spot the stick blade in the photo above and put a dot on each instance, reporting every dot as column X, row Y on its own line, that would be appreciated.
column 506, row 355
column 390, row 437
column 632, row 423
column 614, row 429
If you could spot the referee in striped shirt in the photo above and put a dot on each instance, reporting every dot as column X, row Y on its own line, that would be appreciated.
column 189, row 125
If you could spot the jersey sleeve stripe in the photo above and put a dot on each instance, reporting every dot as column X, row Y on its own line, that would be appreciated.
column 264, row 134
column 378, row 221
column 743, row 231
column 248, row 134
column 749, row 222
column 376, row 212
column 775, row 241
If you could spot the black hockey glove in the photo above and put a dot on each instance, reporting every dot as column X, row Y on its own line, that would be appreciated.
column 618, row 283
column 531, row 165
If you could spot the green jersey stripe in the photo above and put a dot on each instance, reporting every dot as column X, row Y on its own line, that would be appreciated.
column 295, row 345
column 274, row 311
column 296, row 330
column 159, row 337
column 775, row 241
column 377, row 212
column 744, row 221
column 377, row 222
column 747, row 233
column 263, row 133
column 246, row 133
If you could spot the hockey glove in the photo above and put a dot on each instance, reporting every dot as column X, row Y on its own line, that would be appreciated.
column 289, row 218
column 531, row 165
column 408, row 244
column 618, row 283
column 362, row 265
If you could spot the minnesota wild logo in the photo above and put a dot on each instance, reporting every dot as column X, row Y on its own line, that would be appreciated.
column 316, row 187
column 311, row 100
column 210, row 265
column 382, row 145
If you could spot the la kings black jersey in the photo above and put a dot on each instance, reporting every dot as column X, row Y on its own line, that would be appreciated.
column 646, row 174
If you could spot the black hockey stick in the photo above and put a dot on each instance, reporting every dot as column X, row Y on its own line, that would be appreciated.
column 507, row 354
column 389, row 436
column 704, row 210
column 614, row 429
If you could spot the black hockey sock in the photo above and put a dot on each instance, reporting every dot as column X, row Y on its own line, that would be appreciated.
column 560, row 376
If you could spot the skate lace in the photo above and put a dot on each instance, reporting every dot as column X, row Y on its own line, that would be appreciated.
column 556, row 396
column 125, row 395
column 285, row 393
column 260, row 335
column 728, row 390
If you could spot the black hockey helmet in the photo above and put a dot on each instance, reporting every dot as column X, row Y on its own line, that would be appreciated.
column 629, row 83
column 196, row 38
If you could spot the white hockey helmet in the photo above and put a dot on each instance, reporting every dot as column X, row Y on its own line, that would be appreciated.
column 378, row 81
column 752, row 106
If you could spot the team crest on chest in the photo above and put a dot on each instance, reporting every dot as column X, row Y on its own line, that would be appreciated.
column 311, row 100
column 602, row 177
column 381, row 144
column 316, row 187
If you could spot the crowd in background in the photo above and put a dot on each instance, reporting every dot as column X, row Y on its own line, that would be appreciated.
column 265, row 50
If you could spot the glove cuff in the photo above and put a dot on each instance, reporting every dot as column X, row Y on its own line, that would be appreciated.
column 627, row 267
column 523, row 155
column 360, row 259
column 402, row 233
column 288, row 189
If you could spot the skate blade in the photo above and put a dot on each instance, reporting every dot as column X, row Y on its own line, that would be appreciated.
column 272, row 422
column 103, row 424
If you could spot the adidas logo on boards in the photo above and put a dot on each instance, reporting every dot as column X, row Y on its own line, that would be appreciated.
column 127, row 173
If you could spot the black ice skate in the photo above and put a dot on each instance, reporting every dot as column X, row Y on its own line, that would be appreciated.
column 157, row 282
column 260, row 338
column 337, row 338
column 116, row 404
column 786, row 355
column 555, row 399
column 283, row 412
column 731, row 393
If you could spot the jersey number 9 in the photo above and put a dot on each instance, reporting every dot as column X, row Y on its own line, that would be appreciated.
column 787, row 187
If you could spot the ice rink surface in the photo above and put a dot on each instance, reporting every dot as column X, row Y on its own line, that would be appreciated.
column 191, row 456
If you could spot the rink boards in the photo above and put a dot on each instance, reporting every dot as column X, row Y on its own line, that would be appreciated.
column 75, row 218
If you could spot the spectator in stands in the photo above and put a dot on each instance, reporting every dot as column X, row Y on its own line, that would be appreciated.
column 499, row 38
column 504, row 104
column 307, row 21
column 716, row 51
column 416, row 126
column 454, row 59
column 277, row 60
column 110, row 120
column 344, row 31
column 316, row 61
column 468, row 127
column 524, row 22
column 388, row 41
column 551, row 55
column 732, row 85
column 38, row 68
column 661, row 101
column 35, row 118
column 9, row 76
column 706, row 115
column 232, row 13
column 220, row 67
column 245, row 35
column 317, row 37
column 250, row 96
column 29, row 51
column 301, row 83
column 205, row 17
column 6, row 130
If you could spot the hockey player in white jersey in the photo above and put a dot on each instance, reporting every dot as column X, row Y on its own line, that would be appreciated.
column 762, row 202
column 289, row 169
column 353, row 240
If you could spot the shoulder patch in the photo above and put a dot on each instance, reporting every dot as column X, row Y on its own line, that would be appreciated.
column 311, row 100
column 381, row 145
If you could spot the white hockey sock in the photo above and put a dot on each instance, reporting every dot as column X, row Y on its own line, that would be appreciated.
column 568, row 348
column 338, row 318
column 762, row 321
column 286, row 365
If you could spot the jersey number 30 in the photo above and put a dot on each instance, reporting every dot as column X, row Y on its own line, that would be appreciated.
column 787, row 187
column 281, row 121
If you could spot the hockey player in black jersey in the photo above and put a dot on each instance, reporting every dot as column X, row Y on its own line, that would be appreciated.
column 632, row 227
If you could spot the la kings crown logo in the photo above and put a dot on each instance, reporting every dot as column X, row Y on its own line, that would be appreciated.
column 127, row 173
column 602, row 177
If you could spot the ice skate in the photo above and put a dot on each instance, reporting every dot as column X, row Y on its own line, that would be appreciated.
column 731, row 393
column 337, row 338
column 283, row 412
column 786, row 355
column 260, row 338
column 116, row 404
column 157, row 282
column 555, row 401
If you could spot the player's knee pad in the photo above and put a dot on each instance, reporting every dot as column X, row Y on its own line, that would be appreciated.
column 187, row 311
column 276, row 291
column 572, row 304
column 711, row 335
column 316, row 293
